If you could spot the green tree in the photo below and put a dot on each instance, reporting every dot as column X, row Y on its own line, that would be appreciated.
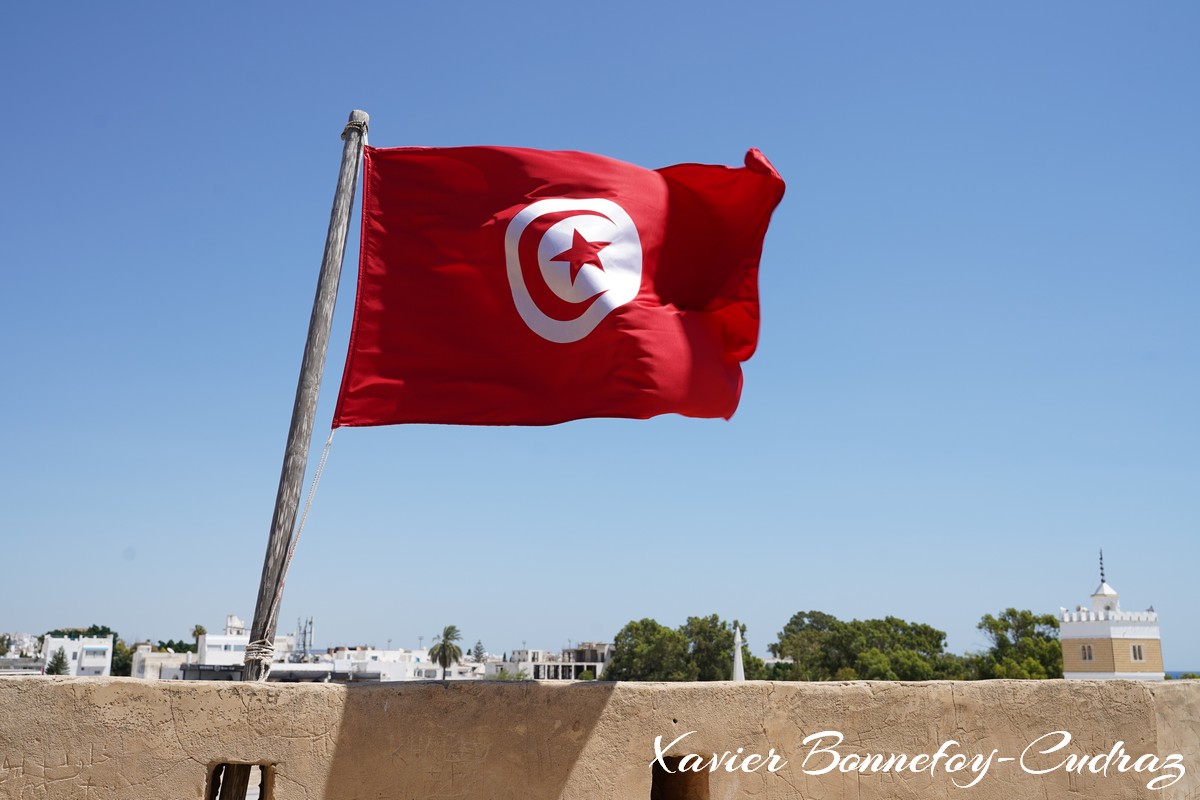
column 587, row 675
column 505, row 675
column 445, row 650
column 477, row 652
column 58, row 665
column 5, row 644
column 122, row 661
column 700, row 650
column 887, row 635
column 710, row 649
column 808, row 640
column 873, row 665
column 910, row 665
column 1024, row 645
column 647, row 651
column 953, row 667
column 823, row 648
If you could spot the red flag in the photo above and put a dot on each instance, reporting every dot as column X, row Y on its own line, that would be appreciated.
column 502, row 286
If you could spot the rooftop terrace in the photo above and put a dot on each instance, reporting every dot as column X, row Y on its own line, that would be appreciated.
column 125, row 738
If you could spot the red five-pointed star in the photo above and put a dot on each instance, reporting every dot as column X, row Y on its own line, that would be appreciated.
column 582, row 252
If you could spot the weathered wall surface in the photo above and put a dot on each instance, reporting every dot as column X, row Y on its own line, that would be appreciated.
column 123, row 738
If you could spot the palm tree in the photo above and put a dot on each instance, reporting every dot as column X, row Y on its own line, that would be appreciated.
column 197, row 632
column 444, row 651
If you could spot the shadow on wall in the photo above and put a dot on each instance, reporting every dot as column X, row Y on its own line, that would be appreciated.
column 515, row 740
column 126, row 738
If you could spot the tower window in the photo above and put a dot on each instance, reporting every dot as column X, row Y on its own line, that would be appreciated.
column 1086, row 652
column 1137, row 653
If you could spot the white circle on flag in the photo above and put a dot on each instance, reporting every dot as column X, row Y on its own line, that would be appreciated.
column 599, row 230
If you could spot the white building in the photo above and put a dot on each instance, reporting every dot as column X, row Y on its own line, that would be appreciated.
column 86, row 655
column 1103, row 642
column 567, row 665
column 15, row 665
column 366, row 664
column 220, row 656
column 22, row 645
column 151, row 665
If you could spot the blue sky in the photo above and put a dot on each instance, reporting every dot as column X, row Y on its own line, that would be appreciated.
column 977, row 363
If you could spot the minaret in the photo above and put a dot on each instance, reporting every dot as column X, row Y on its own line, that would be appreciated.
column 739, row 673
column 1104, row 642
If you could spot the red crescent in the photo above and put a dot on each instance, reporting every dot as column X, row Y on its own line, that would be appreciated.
column 540, row 293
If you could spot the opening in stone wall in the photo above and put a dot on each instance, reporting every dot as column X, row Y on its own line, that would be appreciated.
column 672, row 784
column 231, row 781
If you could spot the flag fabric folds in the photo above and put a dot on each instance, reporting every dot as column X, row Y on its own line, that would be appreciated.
column 504, row 286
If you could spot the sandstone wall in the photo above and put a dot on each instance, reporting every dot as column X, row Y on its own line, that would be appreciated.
column 124, row 738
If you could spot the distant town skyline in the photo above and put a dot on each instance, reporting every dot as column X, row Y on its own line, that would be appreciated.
column 976, row 365
column 391, row 644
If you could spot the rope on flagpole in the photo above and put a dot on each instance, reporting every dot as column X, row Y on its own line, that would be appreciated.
column 263, row 650
column 357, row 125
column 312, row 491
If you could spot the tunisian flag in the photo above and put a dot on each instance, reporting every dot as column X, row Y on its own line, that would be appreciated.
column 503, row 286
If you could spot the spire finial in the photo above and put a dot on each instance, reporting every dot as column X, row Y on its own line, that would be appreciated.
column 739, row 670
column 1102, row 565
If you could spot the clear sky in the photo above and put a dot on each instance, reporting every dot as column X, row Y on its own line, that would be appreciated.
column 978, row 362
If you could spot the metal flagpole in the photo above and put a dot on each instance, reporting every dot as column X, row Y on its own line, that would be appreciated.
column 295, row 459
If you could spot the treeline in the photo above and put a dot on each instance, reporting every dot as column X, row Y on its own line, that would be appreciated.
column 815, row 646
column 699, row 650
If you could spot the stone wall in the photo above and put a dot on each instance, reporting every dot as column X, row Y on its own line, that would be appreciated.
column 125, row 738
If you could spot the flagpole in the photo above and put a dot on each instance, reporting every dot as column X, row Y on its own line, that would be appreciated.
column 295, row 459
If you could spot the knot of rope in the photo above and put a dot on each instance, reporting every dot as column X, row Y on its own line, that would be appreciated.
column 357, row 125
column 262, row 651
